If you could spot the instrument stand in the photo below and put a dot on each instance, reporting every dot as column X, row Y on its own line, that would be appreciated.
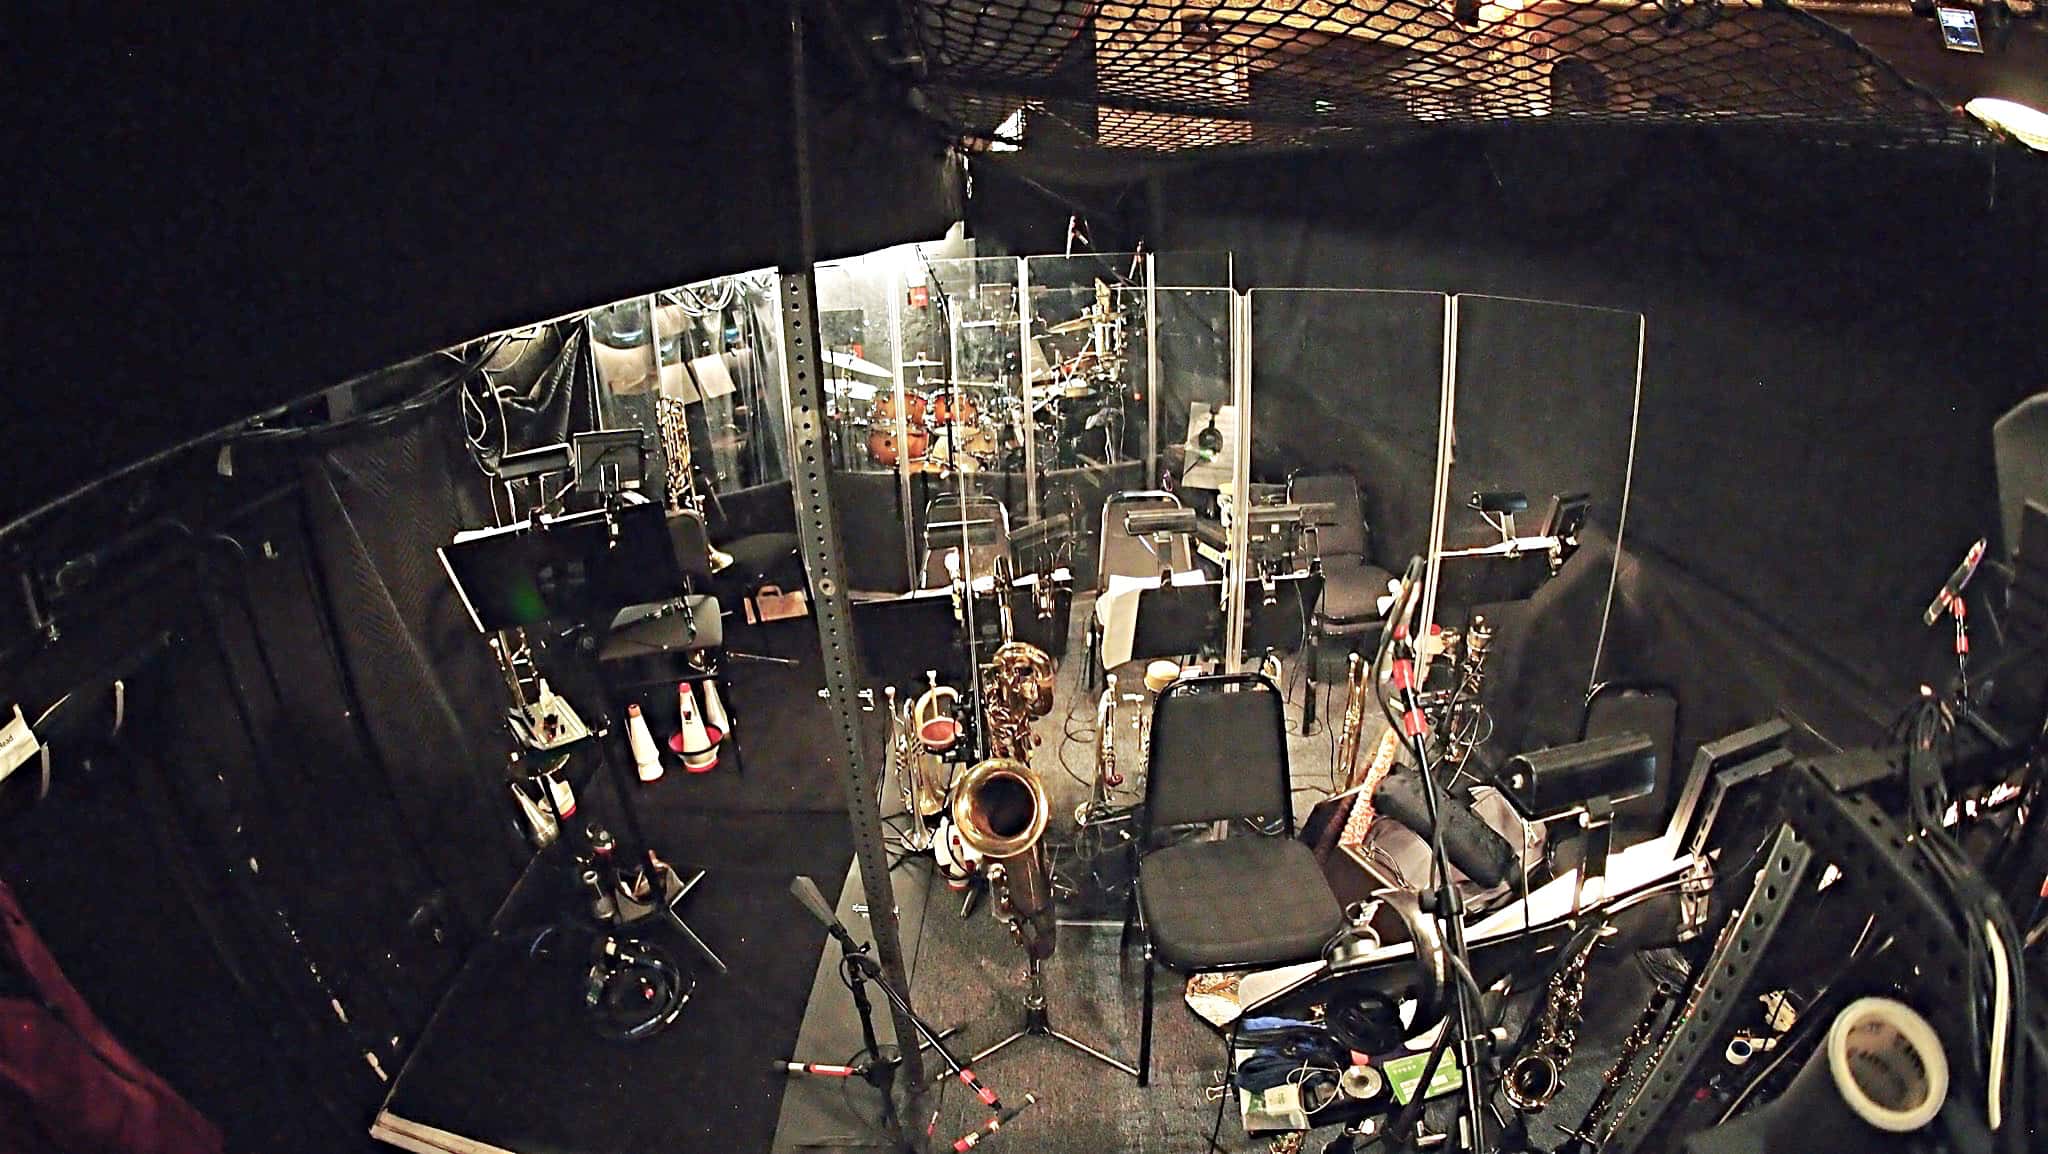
column 1038, row 1024
column 673, row 888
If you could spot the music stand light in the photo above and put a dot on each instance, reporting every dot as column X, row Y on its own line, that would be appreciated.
column 1585, row 779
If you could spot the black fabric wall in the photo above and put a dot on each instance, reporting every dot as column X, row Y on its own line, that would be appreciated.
column 229, row 210
column 1830, row 335
column 265, row 881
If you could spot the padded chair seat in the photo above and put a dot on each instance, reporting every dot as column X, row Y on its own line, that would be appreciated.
column 1351, row 593
column 1242, row 901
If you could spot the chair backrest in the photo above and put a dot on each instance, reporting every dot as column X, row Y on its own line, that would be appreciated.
column 1347, row 537
column 1123, row 555
column 1650, row 709
column 2019, row 446
column 1218, row 750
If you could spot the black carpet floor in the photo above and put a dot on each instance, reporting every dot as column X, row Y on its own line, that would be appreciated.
column 511, row 1060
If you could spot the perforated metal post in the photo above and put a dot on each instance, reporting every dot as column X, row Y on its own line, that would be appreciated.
column 818, row 537
column 1700, row 1023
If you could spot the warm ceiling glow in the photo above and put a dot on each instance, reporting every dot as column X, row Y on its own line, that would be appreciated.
column 2029, row 124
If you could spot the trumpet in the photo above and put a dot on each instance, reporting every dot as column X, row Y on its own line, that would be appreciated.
column 1106, row 776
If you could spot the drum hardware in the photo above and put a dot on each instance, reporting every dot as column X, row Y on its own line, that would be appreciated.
column 847, row 362
column 885, row 419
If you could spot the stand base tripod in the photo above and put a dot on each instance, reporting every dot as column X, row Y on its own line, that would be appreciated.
column 1038, row 1024
column 674, row 890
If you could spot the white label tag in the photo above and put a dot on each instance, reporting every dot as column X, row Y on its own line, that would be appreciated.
column 17, row 744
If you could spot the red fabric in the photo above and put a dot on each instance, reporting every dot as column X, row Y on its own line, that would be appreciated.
column 66, row 1084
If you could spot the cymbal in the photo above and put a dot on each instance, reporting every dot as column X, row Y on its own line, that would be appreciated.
column 847, row 362
column 853, row 390
column 1080, row 324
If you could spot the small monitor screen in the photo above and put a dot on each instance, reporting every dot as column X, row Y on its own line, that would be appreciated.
column 1959, row 29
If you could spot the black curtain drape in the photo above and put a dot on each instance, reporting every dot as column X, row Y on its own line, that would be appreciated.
column 1831, row 333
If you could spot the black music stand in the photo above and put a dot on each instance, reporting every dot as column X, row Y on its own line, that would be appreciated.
column 1177, row 620
column 1277, row 612
column 584, row 567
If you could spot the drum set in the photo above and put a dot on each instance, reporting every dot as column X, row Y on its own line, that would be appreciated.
column 1074, row 402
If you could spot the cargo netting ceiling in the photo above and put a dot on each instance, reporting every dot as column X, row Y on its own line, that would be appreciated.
column 1227, row 74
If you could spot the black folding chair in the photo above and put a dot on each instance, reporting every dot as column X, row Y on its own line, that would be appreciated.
column 1246, row 901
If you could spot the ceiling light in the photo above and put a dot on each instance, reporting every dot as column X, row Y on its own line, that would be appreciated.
column 2030, row 125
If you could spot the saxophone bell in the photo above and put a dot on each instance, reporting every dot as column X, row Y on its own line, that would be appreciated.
column 1532, row 1081
column 1000, row 810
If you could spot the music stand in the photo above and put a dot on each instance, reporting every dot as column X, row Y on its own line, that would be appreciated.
column 1176, row 620
column 585, row 567
column 1276, row 621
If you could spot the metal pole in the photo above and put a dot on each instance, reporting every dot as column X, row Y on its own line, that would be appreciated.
column 1024, row 361
column 895, row 289
column 1446, row 436
column 1151, row 479
column 1240, row 480
column 818, row 535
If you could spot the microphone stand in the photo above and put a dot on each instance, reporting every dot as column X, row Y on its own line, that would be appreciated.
column 878, row 1063
column 1448, row 907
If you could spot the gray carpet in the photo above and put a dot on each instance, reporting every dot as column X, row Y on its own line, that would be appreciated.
column 966, row 971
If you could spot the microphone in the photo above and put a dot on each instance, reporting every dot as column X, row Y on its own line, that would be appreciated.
column 1472, row 845
column 806, row 891
column 1956, row 582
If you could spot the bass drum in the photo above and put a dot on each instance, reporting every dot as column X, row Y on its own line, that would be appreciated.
column 885, row 452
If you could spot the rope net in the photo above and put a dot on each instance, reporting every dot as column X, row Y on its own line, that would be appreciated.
column 1218, row 74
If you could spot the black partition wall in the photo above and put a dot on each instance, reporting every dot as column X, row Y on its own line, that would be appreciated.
column 1820, row 373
